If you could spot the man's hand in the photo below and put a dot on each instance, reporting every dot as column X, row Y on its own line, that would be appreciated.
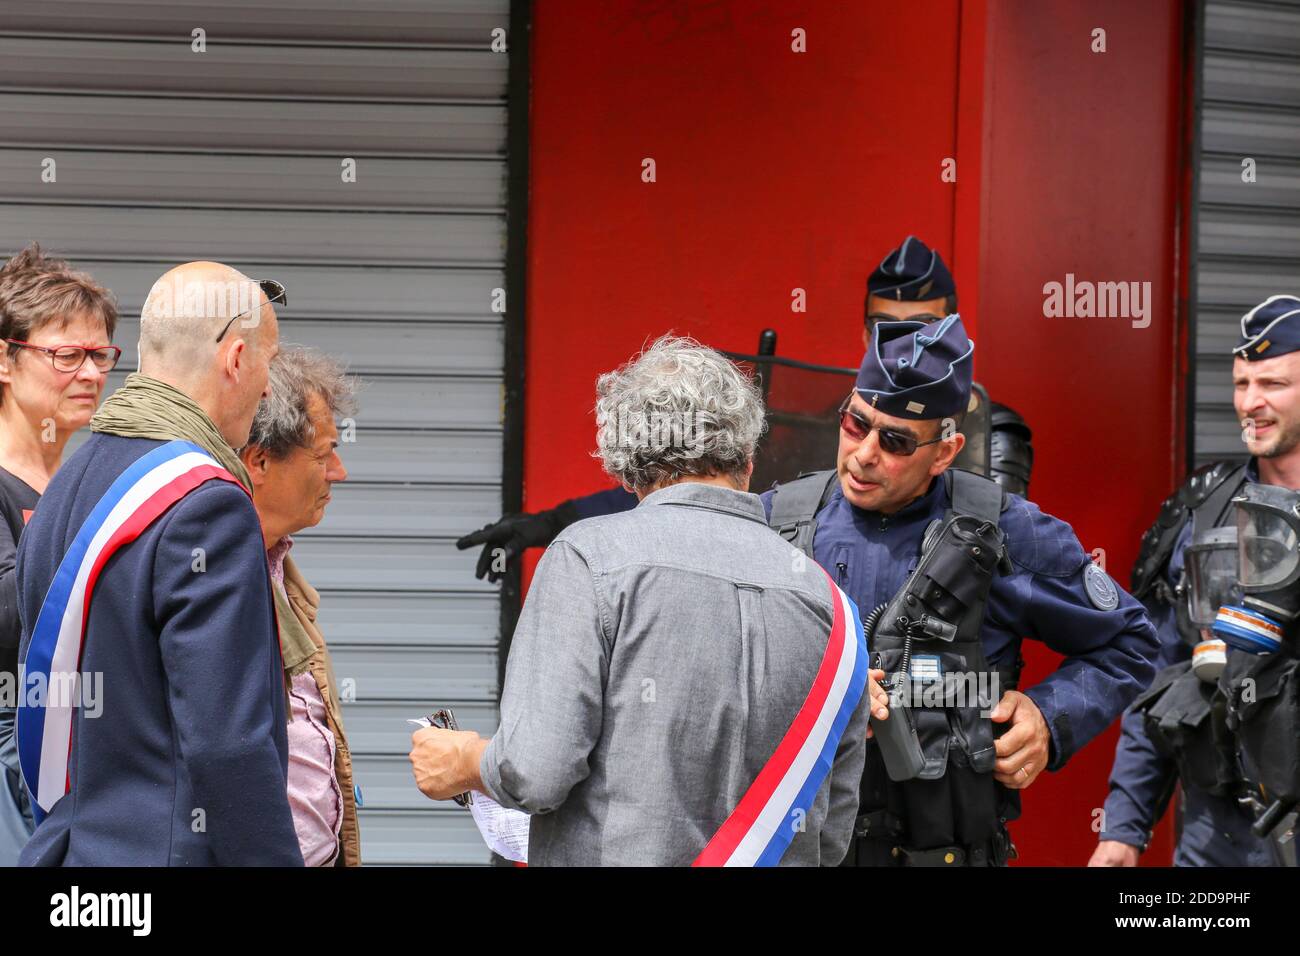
column 1114, row 853
column 879, row 697
column 445, row 762
column 507, row 538
column 1023, row 750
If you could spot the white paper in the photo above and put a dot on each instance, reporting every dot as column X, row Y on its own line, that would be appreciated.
column 504, row 831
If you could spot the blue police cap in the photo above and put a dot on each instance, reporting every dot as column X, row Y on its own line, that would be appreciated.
column 912, row 273
column 917, row 370
column 1270, row 329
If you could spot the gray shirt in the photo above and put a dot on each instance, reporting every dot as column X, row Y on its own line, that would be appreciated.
column 661, row 656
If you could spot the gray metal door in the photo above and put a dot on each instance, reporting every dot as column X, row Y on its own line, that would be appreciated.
column 163, row 154
column 1247, row 233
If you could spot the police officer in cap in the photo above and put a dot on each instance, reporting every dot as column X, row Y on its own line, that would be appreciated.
column 911, row 283
column 1174, row 733
column 955, row 572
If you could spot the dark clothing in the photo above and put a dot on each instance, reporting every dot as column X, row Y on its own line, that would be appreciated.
column 1215, row 830
column 611, row 502
column 1110, row 654
column 186, row 764
column 17, row 499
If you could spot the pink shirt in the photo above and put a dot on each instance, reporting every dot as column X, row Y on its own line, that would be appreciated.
column 314, row 796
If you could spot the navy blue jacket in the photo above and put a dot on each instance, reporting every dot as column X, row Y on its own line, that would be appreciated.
column 609, row 502
column 1215, row 831
column 187, row 762
column 1109, row 655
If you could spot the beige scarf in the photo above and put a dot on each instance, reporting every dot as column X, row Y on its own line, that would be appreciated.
column 147, row 408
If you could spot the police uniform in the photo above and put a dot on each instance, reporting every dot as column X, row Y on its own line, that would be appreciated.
column 1000, row 443
column 1261, row 682
column 1213, row 830
column 1045, row 589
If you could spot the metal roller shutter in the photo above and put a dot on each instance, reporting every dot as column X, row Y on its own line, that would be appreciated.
column 1247, row 234
column 164, row 154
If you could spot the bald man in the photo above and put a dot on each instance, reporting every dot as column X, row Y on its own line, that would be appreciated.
column 159, row 736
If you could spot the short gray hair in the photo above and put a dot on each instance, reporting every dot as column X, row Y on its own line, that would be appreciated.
column 677, row 409
column 297, row 374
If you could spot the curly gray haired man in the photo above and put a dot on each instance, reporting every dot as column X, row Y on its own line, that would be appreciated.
column 664, row 653
column 293, row 462
column 678, row 410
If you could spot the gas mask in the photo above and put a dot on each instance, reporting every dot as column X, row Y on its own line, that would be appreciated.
column 1211, row 582
column 1268, row 531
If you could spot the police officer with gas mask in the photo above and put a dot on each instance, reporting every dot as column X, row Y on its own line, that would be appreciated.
column 911, row 283
column 1187, row 568
column 955, row 571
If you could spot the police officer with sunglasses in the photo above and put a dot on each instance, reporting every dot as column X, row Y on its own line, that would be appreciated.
column 955, row 572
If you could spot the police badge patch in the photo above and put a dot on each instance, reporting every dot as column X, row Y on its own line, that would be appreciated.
column 1101, row 589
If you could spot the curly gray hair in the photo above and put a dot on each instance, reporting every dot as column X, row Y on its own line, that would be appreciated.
column 677, row 409
column 282, row 422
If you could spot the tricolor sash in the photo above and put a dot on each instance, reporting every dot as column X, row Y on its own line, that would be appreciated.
column 772, row 810
column 141, row 494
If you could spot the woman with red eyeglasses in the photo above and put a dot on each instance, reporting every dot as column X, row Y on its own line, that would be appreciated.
column 57, row 325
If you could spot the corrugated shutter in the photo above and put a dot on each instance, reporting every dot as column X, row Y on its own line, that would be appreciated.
column 164, row 154
column 1248, row 234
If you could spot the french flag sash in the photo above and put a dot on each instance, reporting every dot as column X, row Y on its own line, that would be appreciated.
column 774, row 807
column 142, row 493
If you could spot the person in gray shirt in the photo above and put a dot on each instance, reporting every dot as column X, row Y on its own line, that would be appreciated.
column 663, row 654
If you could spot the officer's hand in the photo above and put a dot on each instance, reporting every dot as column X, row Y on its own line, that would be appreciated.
column 1023, row 749
column 506, row 539
column 1114, row 853
column 879, row 697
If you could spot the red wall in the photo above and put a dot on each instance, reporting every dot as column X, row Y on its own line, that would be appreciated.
column 1082, row 169
column 779, row 170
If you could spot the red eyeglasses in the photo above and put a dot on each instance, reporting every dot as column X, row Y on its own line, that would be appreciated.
column 891, row 441
column 70, row 358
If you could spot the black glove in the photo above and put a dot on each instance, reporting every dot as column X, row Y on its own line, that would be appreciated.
column 513, row 534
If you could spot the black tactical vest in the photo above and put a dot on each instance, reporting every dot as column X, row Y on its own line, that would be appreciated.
column 952, row 812
column 1182, row 714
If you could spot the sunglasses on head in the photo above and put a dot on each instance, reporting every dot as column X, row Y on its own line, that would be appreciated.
column 274, row 293
column 894, row 442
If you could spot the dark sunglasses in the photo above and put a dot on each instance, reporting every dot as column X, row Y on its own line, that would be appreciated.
column 895, row 443
column 875, row 318
column 70, row 358
column 274, row 293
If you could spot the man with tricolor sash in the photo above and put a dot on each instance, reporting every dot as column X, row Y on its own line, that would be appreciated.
column 683, row 687
column 144, row 565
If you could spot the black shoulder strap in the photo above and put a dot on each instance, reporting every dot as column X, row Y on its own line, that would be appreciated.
column 974, row 495
column 795, row 505
column 1204, row 494
column 1211, row 509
